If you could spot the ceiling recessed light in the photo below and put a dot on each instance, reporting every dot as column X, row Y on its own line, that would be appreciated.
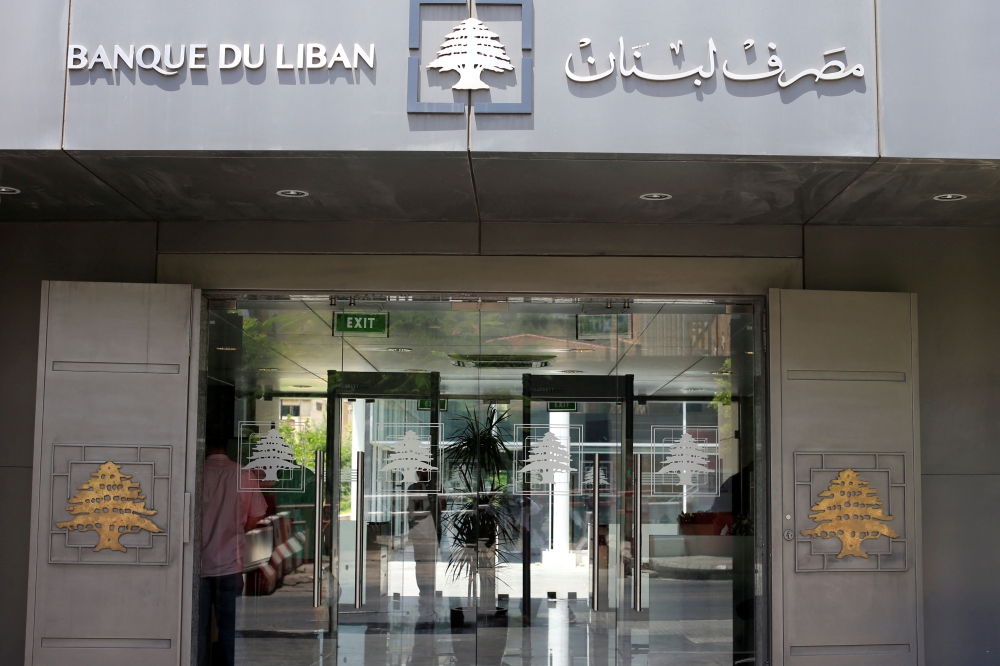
column 293, row 194
column 655, row 196
column 398, row 349
column 9, row 190
column 501, row 360
column 950, row 197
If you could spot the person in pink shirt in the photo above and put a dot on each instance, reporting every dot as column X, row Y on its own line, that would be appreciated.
column 227, row 514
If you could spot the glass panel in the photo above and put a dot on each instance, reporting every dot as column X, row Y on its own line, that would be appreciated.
column 412, row 601
column 266, row 420
column 564, row 482
column 557, row 581
column 695, row 454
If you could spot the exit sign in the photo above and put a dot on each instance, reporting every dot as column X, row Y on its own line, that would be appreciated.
column 562, row 406
column 362, row 323
column 424, row 404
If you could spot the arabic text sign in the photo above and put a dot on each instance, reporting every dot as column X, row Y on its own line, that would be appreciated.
column 831, row 70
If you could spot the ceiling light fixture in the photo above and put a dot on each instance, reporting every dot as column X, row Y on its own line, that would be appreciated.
column 225, row 348
column 572, row 372
column 399, row 349
column 415, row 370
column 581, row 351
column 501, row 360
column 692, row 390
column 267, row 369
column 950, row 197
column 655, row 196
column 292, row 194
column 9, row 190
column 301, row 386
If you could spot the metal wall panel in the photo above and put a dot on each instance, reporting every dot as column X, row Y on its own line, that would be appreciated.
column 936, row 102
column 251, row 109
column 113, row 385
column 367, row 108
column 613, row 276
column 623, row 114
column 33, row 76
column 845, row 420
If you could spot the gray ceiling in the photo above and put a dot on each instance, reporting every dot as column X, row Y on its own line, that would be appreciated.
column 458, row 188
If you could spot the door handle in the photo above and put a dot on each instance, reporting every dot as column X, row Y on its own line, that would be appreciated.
column 595, row 557
column 318, row 534
column 637, row 532
column 359, row 532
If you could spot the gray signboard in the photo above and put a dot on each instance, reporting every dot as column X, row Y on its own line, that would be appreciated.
column 772, row 78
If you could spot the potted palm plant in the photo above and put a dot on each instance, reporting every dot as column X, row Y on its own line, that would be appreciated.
column 483, row 530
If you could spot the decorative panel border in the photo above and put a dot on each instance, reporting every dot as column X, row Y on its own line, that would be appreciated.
column 883, row 473
column 149, row 467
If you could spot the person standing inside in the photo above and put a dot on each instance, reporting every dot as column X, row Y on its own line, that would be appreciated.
column 227, row 514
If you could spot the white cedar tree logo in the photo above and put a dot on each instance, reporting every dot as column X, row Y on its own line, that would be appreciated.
column 851, row 511
column 685, row 458
column 548, row 456
column 111, row 504
column 469, row 50
column 409, row 456
column 272, row 454
column 588, row 478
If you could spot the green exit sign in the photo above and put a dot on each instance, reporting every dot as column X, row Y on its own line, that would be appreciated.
column 562, row 406
column 362, row 323
column 424, row 404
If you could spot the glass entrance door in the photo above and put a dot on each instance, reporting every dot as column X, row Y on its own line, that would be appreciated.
column 393, row 501
column 569, row 464
column 537, row 482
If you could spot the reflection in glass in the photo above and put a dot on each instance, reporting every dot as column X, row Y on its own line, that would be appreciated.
column 557, row 484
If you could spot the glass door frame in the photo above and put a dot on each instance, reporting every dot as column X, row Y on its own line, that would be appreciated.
column 369, row 386
column 616, row 389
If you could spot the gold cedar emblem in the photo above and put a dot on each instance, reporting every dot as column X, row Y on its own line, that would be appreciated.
column 110, row 504
column 850, row 511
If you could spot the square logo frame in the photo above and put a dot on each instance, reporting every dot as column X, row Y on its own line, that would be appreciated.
column 525, row 106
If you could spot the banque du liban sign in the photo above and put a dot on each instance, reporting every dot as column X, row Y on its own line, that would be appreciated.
column 173, row 58
column 470, row 50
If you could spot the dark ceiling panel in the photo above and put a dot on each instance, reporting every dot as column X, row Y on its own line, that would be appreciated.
column 54, row 187
column 342, row 186
column 901, row 192
column 704, row 192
